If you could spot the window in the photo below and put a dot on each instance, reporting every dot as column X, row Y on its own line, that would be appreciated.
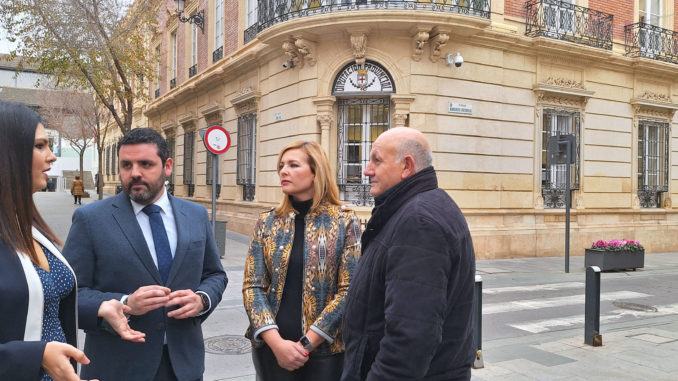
column 650, row 35
column 108, row 160
column 650, row 12
column 553, row 177
column 218, row 24
column 193, row 69
column 188, row 161
column 173, row 81
column 158, row 71
column 245, row 172
column 361, row 121
column 653, row 162
column 170, row 148
column 114, row 159
column 559, row 17
column 252, row 10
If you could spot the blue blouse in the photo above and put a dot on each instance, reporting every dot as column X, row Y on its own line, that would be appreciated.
column 56, row 285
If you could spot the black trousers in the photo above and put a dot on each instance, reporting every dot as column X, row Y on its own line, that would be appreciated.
column 325, row 368
column 77, row 199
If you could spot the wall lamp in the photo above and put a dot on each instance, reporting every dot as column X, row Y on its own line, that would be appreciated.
column 197, row 18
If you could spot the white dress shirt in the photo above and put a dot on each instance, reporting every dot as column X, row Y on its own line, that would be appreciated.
column 167, row 219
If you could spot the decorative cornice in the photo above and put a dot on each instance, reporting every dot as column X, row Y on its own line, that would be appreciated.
column 212, row 112
column 246, row 101
column 656, row 97
column 562, row 92
column 649, row 104
column 169, row 127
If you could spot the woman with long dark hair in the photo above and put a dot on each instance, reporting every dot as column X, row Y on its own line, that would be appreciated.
column 38, row 292
column 298, row 270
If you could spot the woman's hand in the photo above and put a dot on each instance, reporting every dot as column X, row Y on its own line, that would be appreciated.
column 56, row 361
column 291, row 355
column 114, row 313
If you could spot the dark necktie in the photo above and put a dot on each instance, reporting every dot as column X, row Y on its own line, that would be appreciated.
column 162, row 247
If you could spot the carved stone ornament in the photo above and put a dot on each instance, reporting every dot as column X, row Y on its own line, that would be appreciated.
column 246, row 101
column 544, row 98
column 562, row 82
column 656, row 97
column 359, row 46
column 399, row 119
column 539, row 202
column 187, row 121
column 437, row 43
column 325, row 119
column 306, row 50
column 420, row 39
column 667, row 203
column 292, row 53
column 635, row 202
column 212, row 113
column 169, row 127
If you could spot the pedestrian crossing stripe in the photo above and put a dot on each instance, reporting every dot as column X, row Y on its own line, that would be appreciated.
column 559, row 301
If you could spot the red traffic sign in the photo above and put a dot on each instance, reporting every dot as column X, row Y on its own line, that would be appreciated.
column 217, row 140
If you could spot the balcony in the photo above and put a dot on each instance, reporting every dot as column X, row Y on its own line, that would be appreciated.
column 218, row 54
column 649, row 41
column 157, row 93
column 272, row 12
column 192, row 71
column 568, row 22
column 173, row 83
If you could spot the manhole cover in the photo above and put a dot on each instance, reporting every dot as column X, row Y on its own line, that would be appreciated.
column 227, row 345
column 634, row 306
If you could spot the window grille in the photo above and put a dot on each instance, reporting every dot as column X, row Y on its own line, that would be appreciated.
column 653, row 162
column 361, row 120
column 246, row 165
column 108, row 161
column 553, row 177
column 188, row 161
column 170, row 179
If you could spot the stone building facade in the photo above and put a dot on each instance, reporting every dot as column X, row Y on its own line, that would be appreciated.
column 340, row 72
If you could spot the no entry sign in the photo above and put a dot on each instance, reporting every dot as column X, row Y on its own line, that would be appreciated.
column 217, row 140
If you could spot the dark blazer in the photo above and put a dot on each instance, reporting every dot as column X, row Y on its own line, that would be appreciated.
column 108, row 252
column 21, row 360
column 408, row 310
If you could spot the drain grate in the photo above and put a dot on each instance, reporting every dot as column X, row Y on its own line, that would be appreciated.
column 228, row 345
column 634, row 306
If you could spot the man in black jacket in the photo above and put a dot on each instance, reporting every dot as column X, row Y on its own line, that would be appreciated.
column 408, row 312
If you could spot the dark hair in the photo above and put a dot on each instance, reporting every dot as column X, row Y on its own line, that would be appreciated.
column 17, row 210
column 146, row 135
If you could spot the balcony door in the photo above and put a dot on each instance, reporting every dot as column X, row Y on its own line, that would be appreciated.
column 650, row 32
column 559, row 17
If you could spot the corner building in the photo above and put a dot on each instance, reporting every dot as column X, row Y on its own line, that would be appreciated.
column 341, row 72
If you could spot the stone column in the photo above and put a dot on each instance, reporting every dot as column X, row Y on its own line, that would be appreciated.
column 325, row 117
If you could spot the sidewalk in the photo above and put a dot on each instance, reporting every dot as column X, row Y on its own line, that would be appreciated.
column 532, row 319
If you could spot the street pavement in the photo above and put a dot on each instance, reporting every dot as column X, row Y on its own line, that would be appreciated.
column 533, row 316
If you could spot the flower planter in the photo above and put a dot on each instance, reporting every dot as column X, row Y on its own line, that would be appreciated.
column 614, row 260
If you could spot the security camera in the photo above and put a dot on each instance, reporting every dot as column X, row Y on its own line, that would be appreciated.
column 455, row 59
column 288, row 64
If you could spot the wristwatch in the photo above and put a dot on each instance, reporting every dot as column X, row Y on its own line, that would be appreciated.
column 205, row 300
column 306, row 343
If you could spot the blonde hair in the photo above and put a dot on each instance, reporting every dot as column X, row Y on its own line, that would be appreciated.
column 324, row 185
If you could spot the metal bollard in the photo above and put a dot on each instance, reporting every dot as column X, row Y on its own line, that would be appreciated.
column 592, row 308
column 478, row 322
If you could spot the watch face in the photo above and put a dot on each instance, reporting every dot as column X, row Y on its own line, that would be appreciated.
column 305, row 341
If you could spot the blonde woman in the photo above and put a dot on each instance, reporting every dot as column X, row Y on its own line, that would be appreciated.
column 298, row 269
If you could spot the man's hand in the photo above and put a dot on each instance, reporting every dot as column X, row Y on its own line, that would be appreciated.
column 56, row 361
column 148, row 298
column 114, row 313
column 190, row 304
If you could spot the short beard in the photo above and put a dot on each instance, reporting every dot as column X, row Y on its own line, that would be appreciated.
column 144, row 197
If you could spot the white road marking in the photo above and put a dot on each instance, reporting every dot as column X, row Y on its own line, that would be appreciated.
column 536, row 304
column 536, row 287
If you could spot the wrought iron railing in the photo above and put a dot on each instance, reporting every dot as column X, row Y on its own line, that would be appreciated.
column 157, row 93
column 218, row 54
column 173, row 83
column 248, row 192
column 569, row 22
column 193, row 70
column 271, row 12
column 649, row 41
column 356, row 194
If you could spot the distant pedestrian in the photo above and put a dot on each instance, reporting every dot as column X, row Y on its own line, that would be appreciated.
column 408, row 310
column 77, row 190
column 38, row 304
column 297, row 272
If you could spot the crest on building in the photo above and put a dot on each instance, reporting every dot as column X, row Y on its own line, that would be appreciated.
column 369, row 78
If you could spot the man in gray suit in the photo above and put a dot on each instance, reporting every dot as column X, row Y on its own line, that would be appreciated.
column 157, row 254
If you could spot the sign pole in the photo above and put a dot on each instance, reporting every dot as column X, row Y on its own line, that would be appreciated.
column 567, row 212
column 217, row 140
column 215, row 173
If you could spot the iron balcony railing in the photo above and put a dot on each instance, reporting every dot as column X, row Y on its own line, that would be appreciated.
column 569, row 22
column 173, row 83
column 649, row 41
column 193, row 70
column 218, row 54
column 271, row 12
